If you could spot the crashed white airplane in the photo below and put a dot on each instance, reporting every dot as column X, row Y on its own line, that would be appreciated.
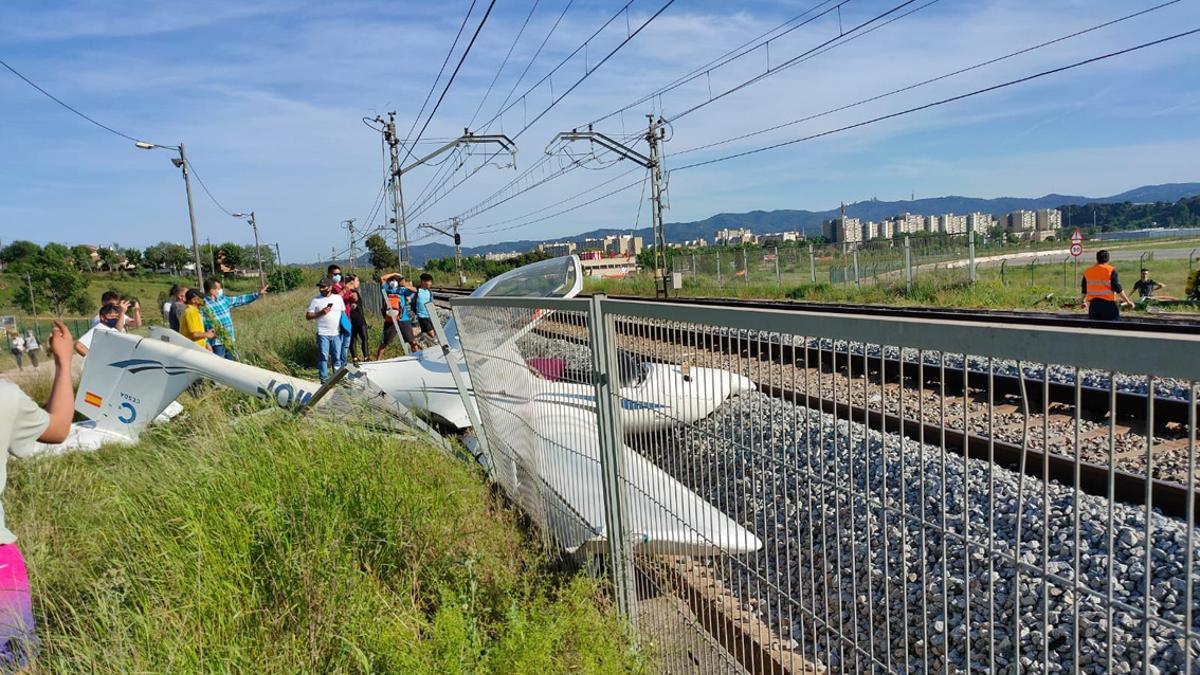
column 128, row 380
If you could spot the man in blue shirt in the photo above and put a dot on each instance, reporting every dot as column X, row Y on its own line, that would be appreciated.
column 218, row 305
column 398, row 293
column 423, row 301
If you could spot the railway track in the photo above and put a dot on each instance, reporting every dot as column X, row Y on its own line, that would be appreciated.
column 1061, row 431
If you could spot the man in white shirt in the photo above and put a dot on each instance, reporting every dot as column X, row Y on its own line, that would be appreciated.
column 326, row 309
column 24, row 428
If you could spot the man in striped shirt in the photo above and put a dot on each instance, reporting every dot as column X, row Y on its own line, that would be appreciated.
column 218, row 305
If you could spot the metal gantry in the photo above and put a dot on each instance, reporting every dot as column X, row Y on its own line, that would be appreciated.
column 655, row 135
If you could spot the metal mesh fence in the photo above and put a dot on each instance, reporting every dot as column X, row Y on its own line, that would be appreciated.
column 799, row 492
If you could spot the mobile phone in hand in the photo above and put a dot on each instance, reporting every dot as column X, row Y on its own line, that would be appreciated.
column 329, row 306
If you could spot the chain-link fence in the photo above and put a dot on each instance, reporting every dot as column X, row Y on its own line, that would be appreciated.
column 947, row 259
column 795, row 492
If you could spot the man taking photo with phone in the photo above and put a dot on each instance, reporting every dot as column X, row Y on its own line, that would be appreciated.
column 326, row 309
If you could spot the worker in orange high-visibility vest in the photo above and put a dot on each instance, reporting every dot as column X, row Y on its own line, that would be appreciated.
column 1101, row 288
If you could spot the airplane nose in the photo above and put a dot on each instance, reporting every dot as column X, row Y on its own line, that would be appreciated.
column 740, row 384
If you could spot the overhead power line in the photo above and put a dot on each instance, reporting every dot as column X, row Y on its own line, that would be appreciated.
column 450, row 81
column 533, row 8
column 944, row 76
column 206, row 190
column 421, row 208
column 62, row 103
column 526, row 222
column 944, row 101
column 442, row 69
column 497, row 198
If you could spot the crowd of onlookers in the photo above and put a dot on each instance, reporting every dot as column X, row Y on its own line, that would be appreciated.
column 201, row 316
column 342, row 331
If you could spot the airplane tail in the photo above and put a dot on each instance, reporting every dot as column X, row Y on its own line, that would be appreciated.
column 123, row 387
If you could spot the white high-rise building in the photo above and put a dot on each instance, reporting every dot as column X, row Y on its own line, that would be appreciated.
column 952, row 224
column 1022, row 221
column 979, row 223
column 842, row 230
column 1049, row 220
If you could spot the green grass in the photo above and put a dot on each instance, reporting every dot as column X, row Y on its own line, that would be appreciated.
column 270, row 544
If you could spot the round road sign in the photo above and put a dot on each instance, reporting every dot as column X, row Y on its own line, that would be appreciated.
column 1076, row 249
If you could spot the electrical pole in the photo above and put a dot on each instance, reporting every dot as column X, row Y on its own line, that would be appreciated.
column 654, row 137
column 262, row 279
column 212, row 259
column 187, row 185
column 399, row 218
column 349, row 225
column 32, row 301
column 278, row 258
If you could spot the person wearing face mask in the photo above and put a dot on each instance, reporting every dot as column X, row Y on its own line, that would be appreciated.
column 110, row 316
column 334, row 274
column 397, row 318
column 326, row 309
column 356, row 343
column 218, row 305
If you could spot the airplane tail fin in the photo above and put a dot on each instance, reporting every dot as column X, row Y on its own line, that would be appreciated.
column 121, row 389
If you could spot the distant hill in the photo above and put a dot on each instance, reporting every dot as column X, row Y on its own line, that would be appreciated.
column 762, row 222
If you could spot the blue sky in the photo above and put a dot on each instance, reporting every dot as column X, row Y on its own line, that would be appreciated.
column 269, row 96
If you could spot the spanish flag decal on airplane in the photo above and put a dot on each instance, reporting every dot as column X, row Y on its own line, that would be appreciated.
column 92, row 399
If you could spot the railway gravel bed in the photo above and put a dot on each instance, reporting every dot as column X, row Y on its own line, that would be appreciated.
column 1002, row 421
column 853, row 524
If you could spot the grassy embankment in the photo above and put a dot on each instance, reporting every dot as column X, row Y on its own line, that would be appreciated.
column 271, row 544
column 1023, row 287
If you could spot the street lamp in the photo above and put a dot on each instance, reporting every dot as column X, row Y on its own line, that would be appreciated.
column 257, row 249
column 180, row 163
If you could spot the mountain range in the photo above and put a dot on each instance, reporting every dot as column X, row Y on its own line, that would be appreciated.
column 762, row 222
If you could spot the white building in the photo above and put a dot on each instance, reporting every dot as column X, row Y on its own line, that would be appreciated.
column 500, row 257
column 980, row 223
column 1048, row 220
column 558, row 248
column 731, row 237
column 952, row 224
column 1021, row 221
column 908, row 223
column 776, row 238
column 623, row 245
column 696, row 243
column 843, row 230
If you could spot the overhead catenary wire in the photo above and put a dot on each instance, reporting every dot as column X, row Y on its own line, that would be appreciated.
column 843, row 38
column 532, row 8
column 941, row 102
column 421, row 208
column 442, row 69
column 931, row 80
column 450, row 81
column 845, row 128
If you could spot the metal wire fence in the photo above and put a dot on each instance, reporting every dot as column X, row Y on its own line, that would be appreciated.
column 949, row 258
column 799, row 492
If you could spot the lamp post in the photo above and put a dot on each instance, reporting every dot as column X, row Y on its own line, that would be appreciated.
column 257, row 249
column 180, row 163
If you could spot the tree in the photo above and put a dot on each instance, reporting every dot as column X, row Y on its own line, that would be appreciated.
column 57, row 285
column 133, row 256
column 234, row 256
column 177, row 255
column 111, row 258
column 81, row 257
column 19, row 250
column 382, row 256
column 57, row 250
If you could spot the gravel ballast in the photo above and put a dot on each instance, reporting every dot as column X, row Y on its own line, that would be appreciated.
column 853, row 525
